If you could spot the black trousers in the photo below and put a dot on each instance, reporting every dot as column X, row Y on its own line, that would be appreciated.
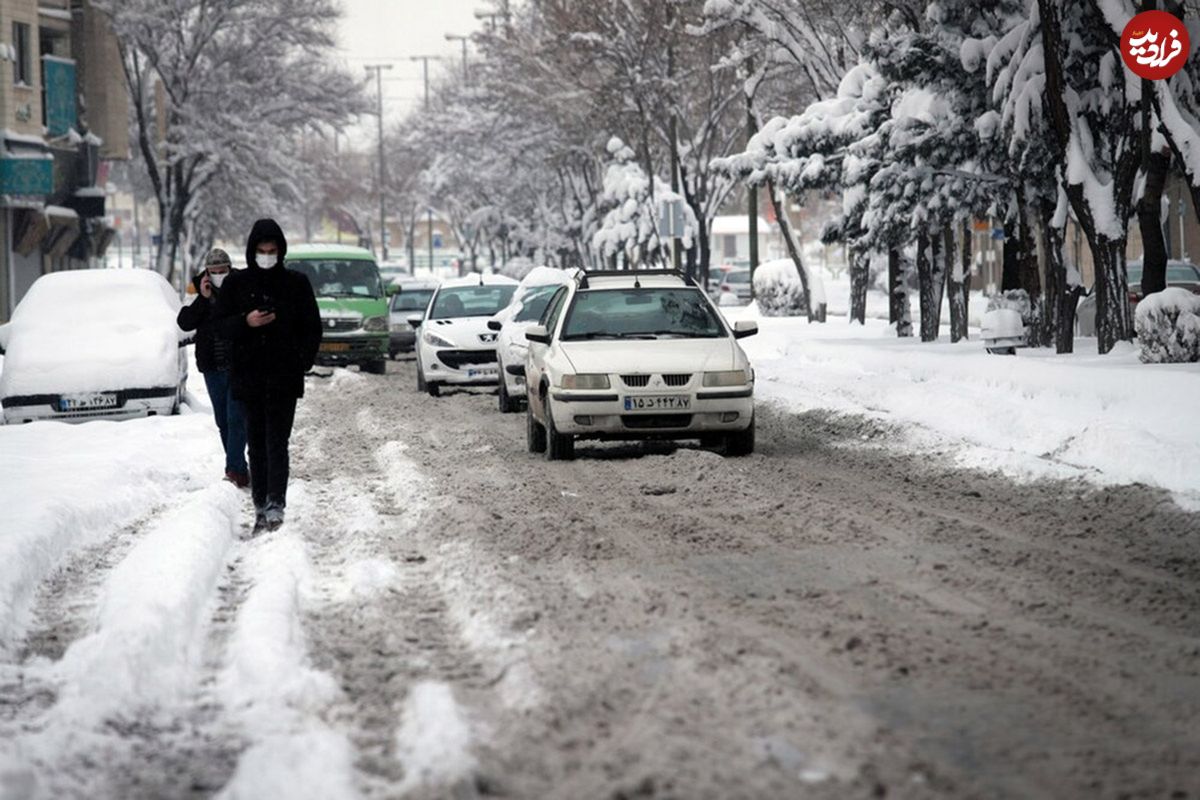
column 269, row 418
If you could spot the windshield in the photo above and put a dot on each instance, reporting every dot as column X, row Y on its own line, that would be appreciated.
column 1182, row 273
column 471, row 301
column 412, row 300
column 341, row 278
column 738, row 277
column 1135, row 273
column 533, row 305
column 641, row 314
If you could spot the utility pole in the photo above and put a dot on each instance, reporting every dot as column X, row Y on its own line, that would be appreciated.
column 676, row 256
column 383, row 249
column 752, row 199
column 425, row 60
column 430, row 210
column 454, row 37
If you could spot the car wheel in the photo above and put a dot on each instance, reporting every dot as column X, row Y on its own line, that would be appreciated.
column 740, row 443
column 559, row 446
column 507, row 404
column 535, row 434
column 434, row 389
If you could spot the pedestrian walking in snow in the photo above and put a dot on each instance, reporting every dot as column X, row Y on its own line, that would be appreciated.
column 271, row 316
column 213, row 350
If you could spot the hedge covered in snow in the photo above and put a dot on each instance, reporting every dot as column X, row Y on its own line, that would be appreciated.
column 1168, row 327
column 778, row 290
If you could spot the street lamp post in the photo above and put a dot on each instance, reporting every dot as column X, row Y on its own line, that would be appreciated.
column 454, row 37
column 378, row 70
column 425, row 61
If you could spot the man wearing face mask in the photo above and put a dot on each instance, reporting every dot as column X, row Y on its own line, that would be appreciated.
column 213, row 360
column 270, row 315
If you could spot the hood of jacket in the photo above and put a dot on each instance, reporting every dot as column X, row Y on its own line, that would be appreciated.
column 265, row 230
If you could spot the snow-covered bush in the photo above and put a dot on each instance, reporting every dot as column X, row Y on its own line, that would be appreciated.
column 778, row 290
column 1017, row 300
column 1168, row 327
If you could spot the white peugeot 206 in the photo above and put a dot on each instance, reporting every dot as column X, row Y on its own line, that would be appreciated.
column 637, row 355
column 528, row 305
column 455, row 347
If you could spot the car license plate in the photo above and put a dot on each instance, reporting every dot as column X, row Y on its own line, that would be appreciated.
column 484, row 372
column 670, row 402
column 84, row 402
column 334, row 347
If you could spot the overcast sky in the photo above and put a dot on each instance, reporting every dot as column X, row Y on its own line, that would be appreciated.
column 392, row 31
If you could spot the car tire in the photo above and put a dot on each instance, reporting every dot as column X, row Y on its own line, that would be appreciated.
column 507, row 404
column 434, row 389
column 535, row 434
column 740, row 443
column 559, row 446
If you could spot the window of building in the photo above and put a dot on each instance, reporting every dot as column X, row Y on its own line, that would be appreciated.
column 22, row 72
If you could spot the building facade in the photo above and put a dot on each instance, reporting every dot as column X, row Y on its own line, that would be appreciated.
column 63, row 113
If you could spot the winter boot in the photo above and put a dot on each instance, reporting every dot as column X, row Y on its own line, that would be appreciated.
column 260, row 519
column 273, row 516
column 239, row 479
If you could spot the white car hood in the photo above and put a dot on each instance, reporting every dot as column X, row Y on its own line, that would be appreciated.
column 464, row 333
column 652, row 357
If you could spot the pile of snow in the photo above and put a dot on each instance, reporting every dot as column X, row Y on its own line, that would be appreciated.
column 778, row 290
column 517, row 268
column 434, row 740
column 1168, row 327
column 92, row 330
column 1106, row 419
column 1014, row 300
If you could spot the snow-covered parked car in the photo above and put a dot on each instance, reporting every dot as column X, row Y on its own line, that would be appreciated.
column 637, row 355
column 454, row 344
column 92, row 344
column 526, row 310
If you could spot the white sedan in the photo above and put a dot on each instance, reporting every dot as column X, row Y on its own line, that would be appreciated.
column 637, row 355
column 526, row 309
column 455, row 347
column 93, row 344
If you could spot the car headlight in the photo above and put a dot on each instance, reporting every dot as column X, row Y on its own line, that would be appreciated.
column 375, row 324
column 737, row 377
column 585, row 382
column 433, row 340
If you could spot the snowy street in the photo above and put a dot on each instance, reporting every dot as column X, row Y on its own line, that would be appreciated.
column 445, row 615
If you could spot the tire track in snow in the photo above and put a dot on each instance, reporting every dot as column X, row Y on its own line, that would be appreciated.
column 381, row 623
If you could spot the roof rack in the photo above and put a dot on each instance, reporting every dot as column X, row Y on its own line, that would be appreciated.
column 631, row 273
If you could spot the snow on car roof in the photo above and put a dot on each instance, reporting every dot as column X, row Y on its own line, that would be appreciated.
column 474, row 280
column 92, row 330
column 329, row 251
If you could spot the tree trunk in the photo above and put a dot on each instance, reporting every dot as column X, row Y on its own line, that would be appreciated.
column 860, row 275
column 1149, row 211
column 959, row 278
column 899, row 313
column 786, row 229
column 931, row 284
column 1061, row 298
column 1112, row 294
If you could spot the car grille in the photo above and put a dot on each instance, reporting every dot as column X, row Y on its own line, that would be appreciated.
column 654, row 421
column 642, row 381
column 340, row 325
column 457, row 359
column 635, row 381
column 677, row 380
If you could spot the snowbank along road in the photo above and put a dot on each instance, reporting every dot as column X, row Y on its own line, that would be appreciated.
column 445, row 615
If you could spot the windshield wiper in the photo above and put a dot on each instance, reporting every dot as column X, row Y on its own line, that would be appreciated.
column 591, row 335
column 683, row 334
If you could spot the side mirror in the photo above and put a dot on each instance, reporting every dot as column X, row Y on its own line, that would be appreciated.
column 539, row 334
column 393, row 289
column 415, row 320
column 744, row 328
column 495, row 325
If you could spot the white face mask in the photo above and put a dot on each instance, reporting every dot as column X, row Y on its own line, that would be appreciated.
column 216, row 279
column 265, row 261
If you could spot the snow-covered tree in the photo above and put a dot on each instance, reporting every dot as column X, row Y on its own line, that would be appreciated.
column 221, row 90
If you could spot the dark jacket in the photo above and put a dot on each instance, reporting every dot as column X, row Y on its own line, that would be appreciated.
column 212, row 350
column 271, row 359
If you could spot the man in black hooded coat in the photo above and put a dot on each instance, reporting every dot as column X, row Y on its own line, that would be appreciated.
column 271, row 316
